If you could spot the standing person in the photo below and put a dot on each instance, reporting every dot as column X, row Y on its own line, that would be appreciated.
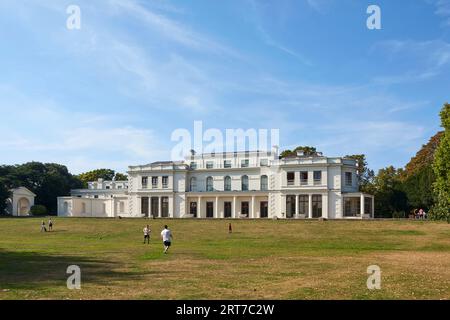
column 421, row 213
column 147, row 234
column 43, row 229
column 166, row 236
column 230, row 230
column 50, row 224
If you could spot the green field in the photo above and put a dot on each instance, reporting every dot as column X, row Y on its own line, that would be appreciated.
column 259, row 260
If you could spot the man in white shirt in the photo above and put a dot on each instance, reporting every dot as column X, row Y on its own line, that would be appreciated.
column 166, row 236
column 147, row 234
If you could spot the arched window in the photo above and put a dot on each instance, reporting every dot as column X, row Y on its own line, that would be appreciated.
column 209, row 184
column 83, row 207
column 244, row 183
column 264, row 183
column 66, row 207
column 227, row 184
column 193, row 184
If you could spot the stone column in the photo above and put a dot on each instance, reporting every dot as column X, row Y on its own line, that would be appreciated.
column 252, row 214
column 233, row 208
column 310, row 215
column 159, row 207
column 297, row 207
column 373, row 207
column 361, row 208
column 216, row 208
column 199, row 207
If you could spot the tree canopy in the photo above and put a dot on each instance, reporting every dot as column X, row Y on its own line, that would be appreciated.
column 307, row 151
column 441, row 168
column 105, row 174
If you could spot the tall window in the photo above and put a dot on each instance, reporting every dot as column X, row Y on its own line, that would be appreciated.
column 244, row 163
column 83, row 207
column 367, row 205
column 193, row 165
column 264, row 162
column 348, row 179
column 245, row 208
column 290, row 206
column 317, row 177
column 264, row 183
column 209, row 184
column 164, row 207
column 144, row 182
column 209, row 165
column 193, row 184
column 317, row 206
column 304, row 177
column 290, row 178
column 154, row 182
column 227, row 184
column 244, row 183
column 165, row 181
column 227, row 163
column 144, row 206
column 303, row 204
column 122, row 207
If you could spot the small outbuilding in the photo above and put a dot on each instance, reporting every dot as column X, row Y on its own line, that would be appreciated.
column 20, row 202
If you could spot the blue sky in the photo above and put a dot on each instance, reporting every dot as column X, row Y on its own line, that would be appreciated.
column 111, row 93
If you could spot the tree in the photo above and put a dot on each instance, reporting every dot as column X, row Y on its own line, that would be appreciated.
column 364, row 174
column 120, row 177
column 441, row 168
column 4, row 195
column 47, row 180
column 94, row 175
column 388, row 192
column 307, row 151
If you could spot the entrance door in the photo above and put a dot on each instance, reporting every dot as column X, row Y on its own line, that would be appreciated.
column 264, row 209
column 209, row 209
column 227, row 209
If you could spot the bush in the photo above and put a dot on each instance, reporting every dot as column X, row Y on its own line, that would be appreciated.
column 38, row 210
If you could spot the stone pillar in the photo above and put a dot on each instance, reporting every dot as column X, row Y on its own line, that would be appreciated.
column 373, row 207
column 233, row 208
column 310, row 206
column 252, row 213
column 216, row 208
column 159, row 207
column 199, row 207
column 361, row 208
column 296, row 206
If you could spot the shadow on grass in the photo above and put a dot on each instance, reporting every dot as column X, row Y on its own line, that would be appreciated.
column 30, row 270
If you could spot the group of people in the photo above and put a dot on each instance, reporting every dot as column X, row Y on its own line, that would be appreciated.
column 166, row 236
column 50, row 225
column 420, row 214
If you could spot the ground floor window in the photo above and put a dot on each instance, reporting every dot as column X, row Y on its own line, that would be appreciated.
column 352, row 206
column 164, row 207
column 245, row 208
column 193, row 209
column 317, row 206
column 303, row 204
column 155, row 206
column 264, row 209
column 290, row 206
column 227, row 209
column 209, row 209
column 367, row 205
column 144, row 206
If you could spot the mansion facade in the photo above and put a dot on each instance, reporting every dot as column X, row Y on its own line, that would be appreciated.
column 229, row 185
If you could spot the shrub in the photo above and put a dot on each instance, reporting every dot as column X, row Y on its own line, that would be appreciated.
column 38, row 210
column 398, row 214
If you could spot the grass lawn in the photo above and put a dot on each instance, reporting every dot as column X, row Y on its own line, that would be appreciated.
column 261, row 259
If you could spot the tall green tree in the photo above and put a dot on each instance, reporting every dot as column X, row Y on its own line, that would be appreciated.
column 120, row 177
column 364, row 174
column 389, row 195
column 441, row 167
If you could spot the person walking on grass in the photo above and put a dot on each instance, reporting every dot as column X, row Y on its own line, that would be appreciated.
column 147, row 234
column 50, row 224
column 43, row 229
column 166, row 236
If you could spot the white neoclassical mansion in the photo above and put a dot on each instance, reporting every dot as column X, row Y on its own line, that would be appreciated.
column 228, row 185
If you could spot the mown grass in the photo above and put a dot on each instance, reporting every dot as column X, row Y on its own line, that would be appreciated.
column 261, row 259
